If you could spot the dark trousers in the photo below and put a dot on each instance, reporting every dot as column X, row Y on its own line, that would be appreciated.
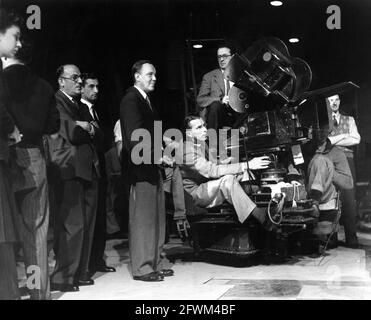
column 99, row 238
column 33, row 220
column 8, row 273
column 219, row 115
column 75, row 228
column 147, row 224
column 121, row 190
column 349, row 211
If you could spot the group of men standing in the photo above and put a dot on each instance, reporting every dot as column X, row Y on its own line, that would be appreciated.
column 77, row 157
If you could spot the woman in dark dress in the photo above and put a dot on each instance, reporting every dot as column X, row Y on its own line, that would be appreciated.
column 9, row 44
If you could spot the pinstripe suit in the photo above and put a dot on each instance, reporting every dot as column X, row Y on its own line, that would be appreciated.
column 33, row 220
column 32, row 105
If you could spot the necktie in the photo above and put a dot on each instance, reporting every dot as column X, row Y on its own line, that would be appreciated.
column 95, row 115
column 149, row 102
column 335, row 121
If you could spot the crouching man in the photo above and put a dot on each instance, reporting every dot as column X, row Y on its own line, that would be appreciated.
column 211, row 183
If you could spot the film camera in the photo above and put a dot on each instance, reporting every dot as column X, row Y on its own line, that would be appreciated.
column 277, row 116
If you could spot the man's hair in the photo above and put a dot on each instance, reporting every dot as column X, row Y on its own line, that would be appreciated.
column 188, row 119
column 88, row 75
column 60, row 71
column 225, row 46
column 137, row 66
column 8, row 19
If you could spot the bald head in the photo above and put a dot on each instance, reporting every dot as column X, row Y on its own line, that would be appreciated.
column 69, row 80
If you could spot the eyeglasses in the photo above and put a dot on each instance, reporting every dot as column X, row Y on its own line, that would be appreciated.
column 224, row 56
column 74, row 77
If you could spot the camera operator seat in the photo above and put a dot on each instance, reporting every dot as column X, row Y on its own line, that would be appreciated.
column 217, row 229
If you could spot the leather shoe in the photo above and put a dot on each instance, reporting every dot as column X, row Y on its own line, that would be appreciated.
column 64, row 287
column 166, row 272
column 85, row 282
column 105, row 269
column 150, row 277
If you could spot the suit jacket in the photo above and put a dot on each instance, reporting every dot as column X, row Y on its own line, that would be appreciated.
column 6, row 123
column 212, row 88
column 32, row 104
column 197, row 169
column 73, row 152
column 99, row 142
column 135, row 113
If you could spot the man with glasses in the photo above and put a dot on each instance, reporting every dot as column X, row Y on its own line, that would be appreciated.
column 213, row 96
column 73, row 153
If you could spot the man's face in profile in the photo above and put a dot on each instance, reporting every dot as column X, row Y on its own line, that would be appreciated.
column 71, row 81
column 197, row 129
column 224, row 56
column 146, row 78
column 334, row 103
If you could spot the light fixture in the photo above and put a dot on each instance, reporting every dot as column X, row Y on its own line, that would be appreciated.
column 294, row 40
column 276, row 3
column 197, row 46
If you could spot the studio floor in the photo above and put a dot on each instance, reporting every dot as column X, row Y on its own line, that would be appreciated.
column 341, row 274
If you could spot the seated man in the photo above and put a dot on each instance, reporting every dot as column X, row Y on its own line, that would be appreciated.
column 328, row 173
column 210, row 183
column 213, row 97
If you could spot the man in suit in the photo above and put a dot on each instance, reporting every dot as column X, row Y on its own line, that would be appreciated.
column 211, row 183
column 213, row 96
column 73, row 153
column 147, row 203
column 32, row 106
column 344, row 135
column 89, row 96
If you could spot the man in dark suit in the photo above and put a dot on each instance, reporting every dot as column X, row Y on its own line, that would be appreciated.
column 89, row 96
column 73, row 153
column 146, row 204
column 213, row 96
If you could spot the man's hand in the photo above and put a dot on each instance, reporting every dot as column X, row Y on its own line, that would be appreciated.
column 85, row 125
column 225, row 100
column 166, row 160
column 259, row 163
column 15, row 136
column 227, row 160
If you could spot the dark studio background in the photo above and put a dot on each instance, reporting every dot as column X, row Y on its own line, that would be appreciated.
column 106, row 37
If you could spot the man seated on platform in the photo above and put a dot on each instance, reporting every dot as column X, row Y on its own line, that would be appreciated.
column 211, row 183
column 328, row 174
column 213, row 97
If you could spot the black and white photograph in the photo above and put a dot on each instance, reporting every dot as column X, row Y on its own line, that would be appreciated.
column 195, row 152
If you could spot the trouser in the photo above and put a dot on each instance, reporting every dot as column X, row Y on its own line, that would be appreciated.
column 173, row 184
column 215, row 192
column 321, row 178
column 219, row 115
column 112, row 223
column 75, row 227
column 33, row 219
column 147, row 224
column 99, row 237
column 8, row 273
